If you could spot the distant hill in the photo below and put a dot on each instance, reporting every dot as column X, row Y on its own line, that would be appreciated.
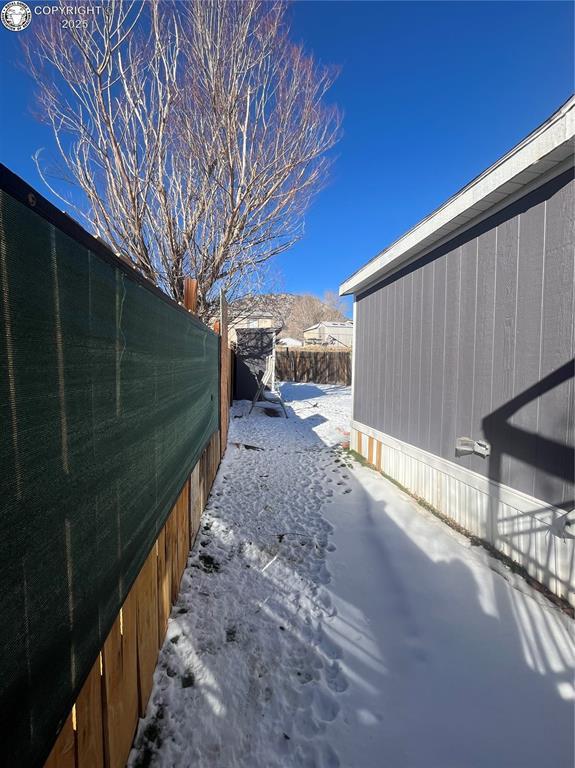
column 302, row 311
column 292, row 313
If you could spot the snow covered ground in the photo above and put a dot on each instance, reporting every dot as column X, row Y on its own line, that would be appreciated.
column 327, row 620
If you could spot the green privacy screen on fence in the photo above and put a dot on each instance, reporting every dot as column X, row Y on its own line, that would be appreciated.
column 109, row 394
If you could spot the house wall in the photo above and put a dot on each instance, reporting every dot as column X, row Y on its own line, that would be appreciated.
column 345, row 335
column 254, row 322
column 250, row 322
column 315, row 334
column 475, row 339
column 452, row 339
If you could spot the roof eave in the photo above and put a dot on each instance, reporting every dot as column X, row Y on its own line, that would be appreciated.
column 531, row 162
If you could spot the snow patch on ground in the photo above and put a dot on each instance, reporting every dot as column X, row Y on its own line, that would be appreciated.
column 326, row 620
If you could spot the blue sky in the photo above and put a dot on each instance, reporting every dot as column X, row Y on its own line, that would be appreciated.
column 432, row 93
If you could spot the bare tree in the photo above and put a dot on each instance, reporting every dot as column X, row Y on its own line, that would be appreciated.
column 336, row 302
column 197, row 134
column 108, row 92
column 307, row 310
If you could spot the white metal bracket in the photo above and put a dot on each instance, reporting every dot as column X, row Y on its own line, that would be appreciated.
column 466, row 445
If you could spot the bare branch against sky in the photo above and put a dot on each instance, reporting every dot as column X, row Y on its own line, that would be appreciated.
column 196, row 132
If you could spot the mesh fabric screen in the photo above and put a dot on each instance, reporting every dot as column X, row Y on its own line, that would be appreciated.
column 109, row 394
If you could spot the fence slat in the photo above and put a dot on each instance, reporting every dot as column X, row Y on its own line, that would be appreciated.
column 63, row 754
column 164, row 587
column 195, row 503
column 119, row 659
column 183, row 530
column 89, row 728
column 147, row 627
column 378, row 456
column 172, row 552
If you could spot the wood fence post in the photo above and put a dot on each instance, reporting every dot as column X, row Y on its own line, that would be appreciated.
column 225, row 373
column 191, row 294
column 191, row 304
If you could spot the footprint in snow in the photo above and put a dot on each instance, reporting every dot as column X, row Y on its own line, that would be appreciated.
column 335, row 678
column 306, row 725
column 304, row 676
column 325, row 706
column 329, row 647
column 328, row 758
column 325, row 603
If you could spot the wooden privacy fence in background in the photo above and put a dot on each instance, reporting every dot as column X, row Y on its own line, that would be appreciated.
column 99, row 731
column 318, row 366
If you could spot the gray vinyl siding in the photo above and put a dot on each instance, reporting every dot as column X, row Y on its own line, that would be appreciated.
column 456, row 336
column 557, row 324
column 484, row 334
column 528, row 343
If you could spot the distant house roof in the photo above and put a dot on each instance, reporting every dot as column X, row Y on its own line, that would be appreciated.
column 540, row 156
column 256, row 313
column 330, row 324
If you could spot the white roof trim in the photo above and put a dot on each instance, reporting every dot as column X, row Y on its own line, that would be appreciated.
column 543, row 150
column 337, row 323
column 331, row 324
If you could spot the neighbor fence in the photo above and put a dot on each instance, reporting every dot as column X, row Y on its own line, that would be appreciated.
column 113, row 402
column 318, row 366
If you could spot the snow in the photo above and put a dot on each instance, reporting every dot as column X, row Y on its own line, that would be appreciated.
column 289, row 342
column 325, row 619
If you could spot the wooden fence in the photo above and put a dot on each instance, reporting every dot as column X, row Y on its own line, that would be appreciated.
column 318, row 366
column 99, row 731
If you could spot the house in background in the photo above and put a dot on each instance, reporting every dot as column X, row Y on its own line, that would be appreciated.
column 258, row 318
column 330, row 333
column 463, row 388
